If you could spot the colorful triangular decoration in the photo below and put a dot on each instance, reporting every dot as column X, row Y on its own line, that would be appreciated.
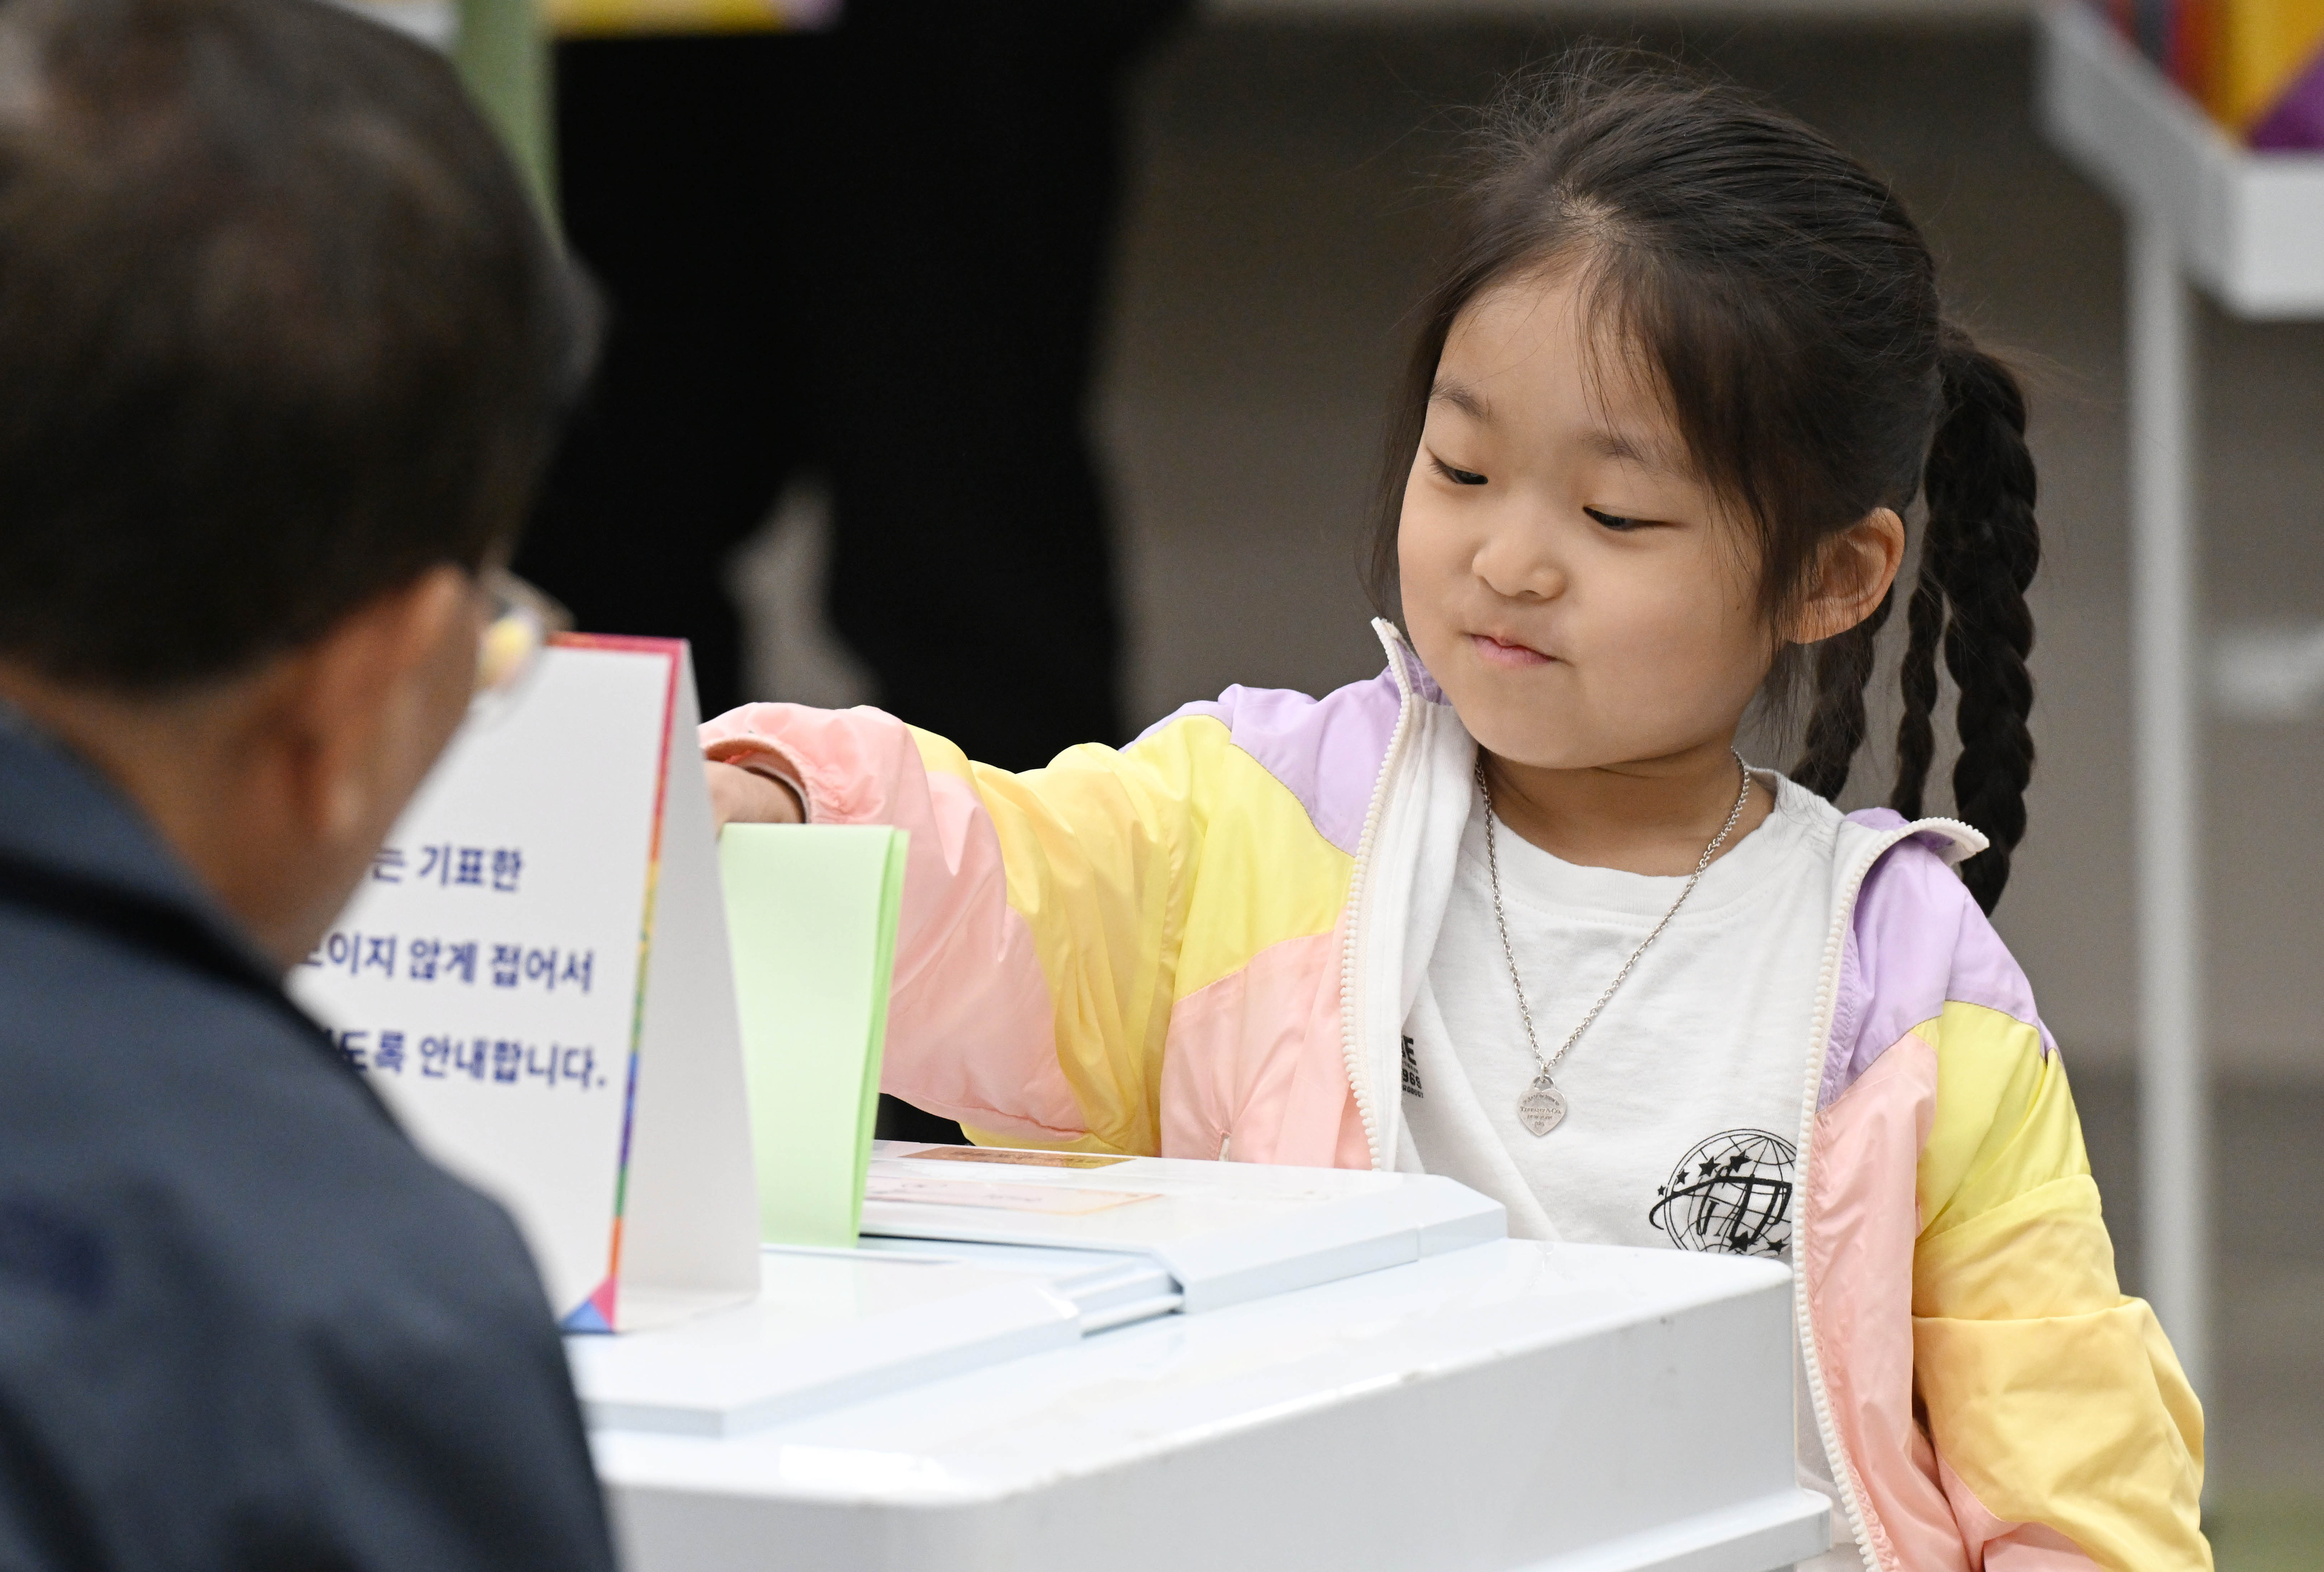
column 2297, row 119
column 593, row 1314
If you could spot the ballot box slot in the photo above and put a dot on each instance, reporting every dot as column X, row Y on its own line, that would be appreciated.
column 1132, row 1313
column 1109, row 1289
column 1123, row 1294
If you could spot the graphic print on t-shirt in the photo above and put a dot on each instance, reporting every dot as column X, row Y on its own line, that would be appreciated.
column 1730, row 1194
column 1411, row 1070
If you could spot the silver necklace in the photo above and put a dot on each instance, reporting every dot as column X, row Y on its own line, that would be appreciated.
column 1543, row 1105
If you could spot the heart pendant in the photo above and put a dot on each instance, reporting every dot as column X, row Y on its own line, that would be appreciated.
column 1543, row 1109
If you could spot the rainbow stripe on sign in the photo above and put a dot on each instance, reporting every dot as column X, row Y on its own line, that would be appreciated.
column 595, row 1313
column 2255, row 66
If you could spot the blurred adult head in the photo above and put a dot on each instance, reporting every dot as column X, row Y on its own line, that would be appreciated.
column 283, row 348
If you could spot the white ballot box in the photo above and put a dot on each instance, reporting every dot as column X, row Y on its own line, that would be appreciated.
column 1038, row 1361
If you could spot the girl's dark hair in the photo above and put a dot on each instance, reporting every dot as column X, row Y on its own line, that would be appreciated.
column 1788, row 306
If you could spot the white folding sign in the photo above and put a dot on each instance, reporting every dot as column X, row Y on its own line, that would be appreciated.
column 536, row 978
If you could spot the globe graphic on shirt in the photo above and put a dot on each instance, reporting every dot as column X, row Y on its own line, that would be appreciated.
column 1730, row 1194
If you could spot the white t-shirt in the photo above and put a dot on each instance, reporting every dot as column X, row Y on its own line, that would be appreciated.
column 1683, row 1097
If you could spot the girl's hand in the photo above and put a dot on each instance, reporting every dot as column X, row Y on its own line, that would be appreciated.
column 744, row 796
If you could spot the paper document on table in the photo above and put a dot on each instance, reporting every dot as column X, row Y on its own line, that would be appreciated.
column 1055, row 1199
column 812, row 910
column 1012, row 1158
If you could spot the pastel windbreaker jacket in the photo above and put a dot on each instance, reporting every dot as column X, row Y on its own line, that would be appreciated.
column 1205, row 945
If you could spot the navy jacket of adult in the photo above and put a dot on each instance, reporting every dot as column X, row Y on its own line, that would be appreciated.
column 243, row 1324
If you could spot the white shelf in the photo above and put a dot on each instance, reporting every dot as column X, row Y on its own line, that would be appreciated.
column 2248, row 227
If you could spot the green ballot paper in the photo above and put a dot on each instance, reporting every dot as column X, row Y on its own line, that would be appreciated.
column 811, row 912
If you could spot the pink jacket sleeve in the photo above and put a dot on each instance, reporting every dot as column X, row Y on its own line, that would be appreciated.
column 1033, row 916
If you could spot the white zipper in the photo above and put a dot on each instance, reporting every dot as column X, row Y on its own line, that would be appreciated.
column 1818, row 1052
column 1351, row 997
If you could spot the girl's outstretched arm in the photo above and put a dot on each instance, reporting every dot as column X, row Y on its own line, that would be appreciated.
column 1042, row 914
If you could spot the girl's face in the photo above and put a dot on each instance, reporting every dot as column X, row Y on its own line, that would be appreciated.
column 1580, row 596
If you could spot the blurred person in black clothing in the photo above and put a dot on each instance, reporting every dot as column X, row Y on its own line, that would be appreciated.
column 873, row 253
column 283, row 352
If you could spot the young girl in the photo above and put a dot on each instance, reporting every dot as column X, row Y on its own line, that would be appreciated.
column 1515, row 910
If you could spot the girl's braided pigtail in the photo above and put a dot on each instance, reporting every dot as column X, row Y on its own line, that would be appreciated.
column 1981, row 550
column 1836, row 725
column 1917, row 733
